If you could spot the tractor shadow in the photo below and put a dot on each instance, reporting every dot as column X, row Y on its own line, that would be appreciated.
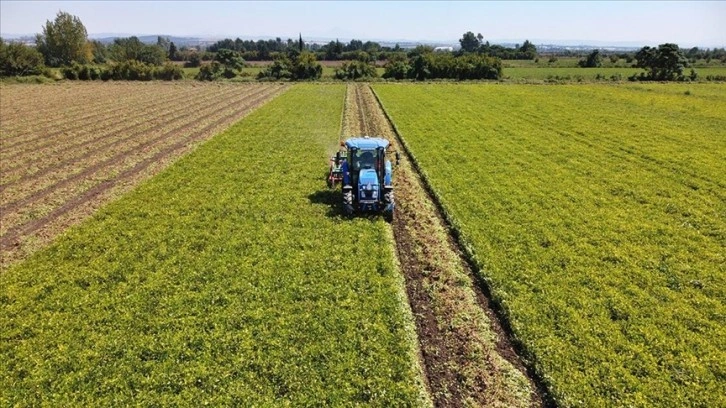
column 333, row 199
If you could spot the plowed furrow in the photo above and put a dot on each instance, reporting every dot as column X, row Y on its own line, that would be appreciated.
column 11, row 242
column 61, row 124
column 110, row 119
column 39, row 110
column 39, row 194
column 65, row 155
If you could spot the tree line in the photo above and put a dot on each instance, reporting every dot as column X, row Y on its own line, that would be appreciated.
column 64, row 43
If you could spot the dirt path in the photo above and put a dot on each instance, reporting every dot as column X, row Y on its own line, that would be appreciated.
column 466, row 354
column 64, row 186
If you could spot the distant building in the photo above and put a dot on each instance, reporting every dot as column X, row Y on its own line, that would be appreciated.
column 444, row 49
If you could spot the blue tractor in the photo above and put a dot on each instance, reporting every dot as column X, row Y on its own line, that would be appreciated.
column 365, row 174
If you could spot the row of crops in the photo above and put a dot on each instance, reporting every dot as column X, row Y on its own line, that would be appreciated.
column 224, row 280
column 597, row 215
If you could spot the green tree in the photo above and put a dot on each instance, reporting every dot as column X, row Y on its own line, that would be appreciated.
column 19, row 60
column 355, row 70
column 333, row 50
column 396, row 69
column 279, row 69
column 131, row 48
column 306, row 67
column 64, row 41
column 665, row 63
column 152, row 54
column 231, row 61
column 420, row 50
column 209, row 72
column 419, row 68
column 194, row 60
column 126, row 49
column 593, row 60
column 469, row 42
column 172, row 51
column 528, row 50
column 162, row 42
column 99, row 52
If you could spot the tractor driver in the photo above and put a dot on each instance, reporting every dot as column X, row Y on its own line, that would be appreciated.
column 366, row 160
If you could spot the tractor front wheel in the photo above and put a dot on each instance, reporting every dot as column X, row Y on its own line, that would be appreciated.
column 348, row 202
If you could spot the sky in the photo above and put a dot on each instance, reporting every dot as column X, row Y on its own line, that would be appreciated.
column 687, row 23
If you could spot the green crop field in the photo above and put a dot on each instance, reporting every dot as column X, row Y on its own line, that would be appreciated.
column 223, row 281
column 597, row 214
column 590, row 74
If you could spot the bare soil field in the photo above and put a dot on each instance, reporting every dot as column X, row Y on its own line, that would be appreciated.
column 67, row 149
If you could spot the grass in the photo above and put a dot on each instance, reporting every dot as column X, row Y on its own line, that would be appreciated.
column 569, row 74
column 566, row 70
column 596, row 214
column 225, row 280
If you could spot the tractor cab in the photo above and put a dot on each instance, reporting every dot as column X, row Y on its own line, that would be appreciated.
column 365, row 174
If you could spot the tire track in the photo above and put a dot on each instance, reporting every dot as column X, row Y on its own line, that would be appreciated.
column 467, row 355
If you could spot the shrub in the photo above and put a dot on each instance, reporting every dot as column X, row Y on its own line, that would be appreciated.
column 19, row 60
column 131, row 70
column 445, row 66
column 194, row 61
column 231, row 61
column 306, row 66
column 69, row 73
column 209, row 72
column 356, row 70
column 593, row 60
column 82, row 72
column 396, row 70
column 279, row 69
column 299, row 67
column 169, row 72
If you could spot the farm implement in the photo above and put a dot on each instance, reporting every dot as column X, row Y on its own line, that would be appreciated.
column 362, row 169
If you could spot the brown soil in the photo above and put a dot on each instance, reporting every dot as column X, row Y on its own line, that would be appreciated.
column 89, row 140
column 35, row 118
column 89, row 183
column 119, row 116
column 467, row 355
column 62, row 161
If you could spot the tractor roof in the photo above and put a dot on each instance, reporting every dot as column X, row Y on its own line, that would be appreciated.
column 366, row 143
